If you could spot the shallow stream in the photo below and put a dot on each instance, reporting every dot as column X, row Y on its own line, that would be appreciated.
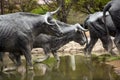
column 70, row 68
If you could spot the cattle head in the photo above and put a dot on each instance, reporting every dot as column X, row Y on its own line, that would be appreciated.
column 79, row 35
column 51, row 30
column 75, row 30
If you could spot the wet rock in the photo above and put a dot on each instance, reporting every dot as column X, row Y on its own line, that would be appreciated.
column 117, row 70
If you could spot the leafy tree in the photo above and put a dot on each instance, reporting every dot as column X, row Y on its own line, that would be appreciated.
column 89, row 6
column 84, row 6
column 63, row 13
column 40, row 10
column 10, row 6
column 2, row 6
column 28, row 5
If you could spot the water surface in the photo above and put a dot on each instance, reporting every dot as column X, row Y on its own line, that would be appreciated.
column 70, row 68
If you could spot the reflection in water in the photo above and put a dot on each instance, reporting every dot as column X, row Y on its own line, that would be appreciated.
column 40, row 69
column 72, row 62
column 70, row 68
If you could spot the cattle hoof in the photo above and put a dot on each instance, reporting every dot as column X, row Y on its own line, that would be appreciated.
column 9, row 69
column 30, row 67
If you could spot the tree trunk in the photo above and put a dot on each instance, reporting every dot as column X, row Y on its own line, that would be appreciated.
column 2, row 6
column 61, row 15
column 64, row 16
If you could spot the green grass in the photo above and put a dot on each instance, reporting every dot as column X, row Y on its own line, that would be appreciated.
column 105, row 58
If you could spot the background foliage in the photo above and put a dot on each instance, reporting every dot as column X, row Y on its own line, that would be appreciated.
column 69, row 8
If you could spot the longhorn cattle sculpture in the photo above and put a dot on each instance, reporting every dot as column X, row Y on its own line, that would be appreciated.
column 113, row 7
column 52, row 43
column 96, row 26
column 18, row 31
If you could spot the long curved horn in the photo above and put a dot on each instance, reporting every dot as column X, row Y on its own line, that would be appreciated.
column 53, row 12
column 47, row 15
column 80, row 27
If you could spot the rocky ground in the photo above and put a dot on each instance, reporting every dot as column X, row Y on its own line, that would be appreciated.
column 73, row 48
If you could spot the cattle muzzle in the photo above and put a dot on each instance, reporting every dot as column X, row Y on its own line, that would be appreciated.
column 83, row 30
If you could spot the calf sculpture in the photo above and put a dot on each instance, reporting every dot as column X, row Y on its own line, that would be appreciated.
column 53, row 43
column 96, row 26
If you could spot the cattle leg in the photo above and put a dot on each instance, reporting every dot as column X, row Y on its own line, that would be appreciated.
column 15, row 58
column 12, row 57
column 90, row 46
column 55, row 55
column 26, row 53
column 18, row 60
column 1, row 61
column 117, row 41
column 4, row 67
column 107, row 44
